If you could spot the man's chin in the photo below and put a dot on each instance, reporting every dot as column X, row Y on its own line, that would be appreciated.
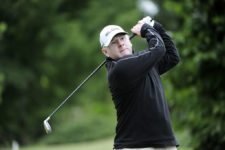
column 125, row 53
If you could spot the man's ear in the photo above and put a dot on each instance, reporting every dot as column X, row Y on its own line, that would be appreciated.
column 105, row 52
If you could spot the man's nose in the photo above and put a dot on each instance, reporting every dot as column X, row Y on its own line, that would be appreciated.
column 120, row 42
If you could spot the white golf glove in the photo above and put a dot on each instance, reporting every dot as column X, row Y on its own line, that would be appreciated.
column 149, row 21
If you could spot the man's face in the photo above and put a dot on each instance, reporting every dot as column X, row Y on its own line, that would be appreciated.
column 119, row 46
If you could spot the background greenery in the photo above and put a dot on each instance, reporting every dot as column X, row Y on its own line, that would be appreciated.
column 48, row 47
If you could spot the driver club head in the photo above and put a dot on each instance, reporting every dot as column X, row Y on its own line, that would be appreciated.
column 47, row 126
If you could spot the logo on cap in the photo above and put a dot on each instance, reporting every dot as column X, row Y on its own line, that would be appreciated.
column 113, row 29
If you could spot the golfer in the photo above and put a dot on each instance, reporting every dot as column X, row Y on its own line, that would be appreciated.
column 143, row 119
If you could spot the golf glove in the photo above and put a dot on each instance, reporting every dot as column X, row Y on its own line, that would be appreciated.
column 148, row 20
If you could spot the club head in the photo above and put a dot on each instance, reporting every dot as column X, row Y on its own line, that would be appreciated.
column 47, row 126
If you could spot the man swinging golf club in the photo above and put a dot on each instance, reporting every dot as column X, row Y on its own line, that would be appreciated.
column 143, row 120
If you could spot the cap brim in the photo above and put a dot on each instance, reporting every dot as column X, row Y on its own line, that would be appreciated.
column 112, row 36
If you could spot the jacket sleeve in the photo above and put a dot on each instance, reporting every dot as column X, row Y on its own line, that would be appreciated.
column 136, row 66
column 171, row 57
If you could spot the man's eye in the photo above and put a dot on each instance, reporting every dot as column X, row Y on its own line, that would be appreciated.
column 122, row 37
column 113, row 42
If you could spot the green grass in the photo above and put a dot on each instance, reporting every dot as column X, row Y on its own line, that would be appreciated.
column 104, row 144
column 100, row 144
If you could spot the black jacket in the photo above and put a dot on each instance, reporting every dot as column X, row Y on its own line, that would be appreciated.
column 143, row 118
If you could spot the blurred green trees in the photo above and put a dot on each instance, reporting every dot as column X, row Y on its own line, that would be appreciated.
column 199, row 85
column 48, row 47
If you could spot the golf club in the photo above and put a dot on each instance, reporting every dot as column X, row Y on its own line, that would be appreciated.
column 46, row 124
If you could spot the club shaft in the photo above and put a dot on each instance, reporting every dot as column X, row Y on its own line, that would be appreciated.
column 132, row 36
column 78, row 87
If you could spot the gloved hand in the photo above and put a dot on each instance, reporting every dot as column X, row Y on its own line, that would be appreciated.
column 149, row 21
column 156, row 25
column 137, row 28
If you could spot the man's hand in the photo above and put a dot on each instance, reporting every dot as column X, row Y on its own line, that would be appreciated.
column 137, row 28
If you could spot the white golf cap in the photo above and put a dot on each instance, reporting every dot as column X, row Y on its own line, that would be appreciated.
column 108, row 32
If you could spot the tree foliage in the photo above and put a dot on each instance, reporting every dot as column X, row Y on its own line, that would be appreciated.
column 46, row 49
column 200, row 78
